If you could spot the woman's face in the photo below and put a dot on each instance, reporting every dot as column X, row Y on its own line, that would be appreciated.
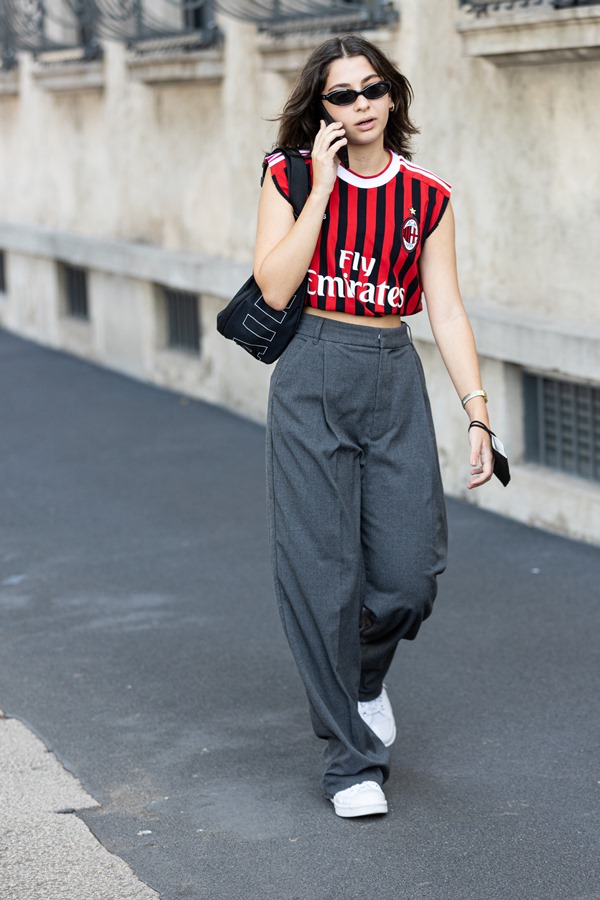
column 364, row 120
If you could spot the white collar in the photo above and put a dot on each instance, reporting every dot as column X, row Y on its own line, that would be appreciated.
column 371, row 181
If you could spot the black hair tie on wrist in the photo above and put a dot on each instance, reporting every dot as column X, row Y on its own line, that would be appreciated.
column 501, row 469
column 481, row 425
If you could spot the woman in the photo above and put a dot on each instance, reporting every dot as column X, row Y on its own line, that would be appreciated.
column 356, row 507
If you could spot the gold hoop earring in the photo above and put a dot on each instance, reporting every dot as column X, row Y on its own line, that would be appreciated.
column 392, row 108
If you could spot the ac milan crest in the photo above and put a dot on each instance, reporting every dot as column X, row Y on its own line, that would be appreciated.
column 410, row 233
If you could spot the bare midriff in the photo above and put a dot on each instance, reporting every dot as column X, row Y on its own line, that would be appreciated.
column 374, row 321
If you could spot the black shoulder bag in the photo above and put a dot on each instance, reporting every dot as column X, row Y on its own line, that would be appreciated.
column 261, row 330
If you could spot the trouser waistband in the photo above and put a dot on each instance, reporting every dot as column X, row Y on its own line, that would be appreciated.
column 325, row 329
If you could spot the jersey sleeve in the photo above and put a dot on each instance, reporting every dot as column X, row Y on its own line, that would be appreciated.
column 439, row 197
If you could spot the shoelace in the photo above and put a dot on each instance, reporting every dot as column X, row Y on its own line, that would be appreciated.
column 355, row 787
column 371, row 707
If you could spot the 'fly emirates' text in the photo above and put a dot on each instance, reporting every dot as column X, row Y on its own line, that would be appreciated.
column 345, row 286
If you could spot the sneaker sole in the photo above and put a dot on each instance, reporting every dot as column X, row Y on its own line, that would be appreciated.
column 371, row 809
column 391, row 740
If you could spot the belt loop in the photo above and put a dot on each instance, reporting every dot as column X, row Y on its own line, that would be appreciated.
column 319, row 325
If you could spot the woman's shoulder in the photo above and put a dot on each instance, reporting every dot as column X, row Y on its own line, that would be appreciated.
column 429, row 178
column 275, row 158
column 276, row 162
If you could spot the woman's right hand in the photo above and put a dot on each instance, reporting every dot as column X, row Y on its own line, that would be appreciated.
column 327, row 142
column 284, row 248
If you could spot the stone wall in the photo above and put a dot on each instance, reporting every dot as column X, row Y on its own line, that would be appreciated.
column 144, row 169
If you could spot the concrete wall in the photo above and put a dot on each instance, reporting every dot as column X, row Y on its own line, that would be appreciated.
column 145, row 170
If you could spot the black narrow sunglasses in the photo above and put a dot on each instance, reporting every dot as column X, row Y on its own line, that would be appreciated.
column 346, row 96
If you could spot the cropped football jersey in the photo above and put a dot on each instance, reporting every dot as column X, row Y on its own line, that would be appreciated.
column 366, row 259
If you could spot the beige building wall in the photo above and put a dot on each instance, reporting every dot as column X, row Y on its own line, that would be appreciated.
column 144, row 169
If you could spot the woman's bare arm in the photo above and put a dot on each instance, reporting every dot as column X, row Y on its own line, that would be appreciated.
column 454, row 337
column 284, row 246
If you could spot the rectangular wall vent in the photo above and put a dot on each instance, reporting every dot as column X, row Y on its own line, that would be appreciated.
column 183, row 320
column 562, row 425
column 76, row 292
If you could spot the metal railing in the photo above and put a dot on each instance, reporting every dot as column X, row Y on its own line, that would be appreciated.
column 285, row 16
column 75, row 27
column 481, row 7
column 43, row 26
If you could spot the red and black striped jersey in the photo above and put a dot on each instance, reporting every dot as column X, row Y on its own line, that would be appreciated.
column 366, row 258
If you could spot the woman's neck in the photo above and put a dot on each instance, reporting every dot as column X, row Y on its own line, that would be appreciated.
column 368, row 160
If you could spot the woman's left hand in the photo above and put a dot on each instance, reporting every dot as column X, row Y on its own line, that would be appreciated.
column 482, row 457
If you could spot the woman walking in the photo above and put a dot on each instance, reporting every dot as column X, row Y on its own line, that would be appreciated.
column 356, row 507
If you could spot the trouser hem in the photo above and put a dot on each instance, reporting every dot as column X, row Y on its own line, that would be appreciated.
column 342, row 782
column 371, row 695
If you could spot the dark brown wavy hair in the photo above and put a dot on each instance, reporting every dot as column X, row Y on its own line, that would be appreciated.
column 299, row 121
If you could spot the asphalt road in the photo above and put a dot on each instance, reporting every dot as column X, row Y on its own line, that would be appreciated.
column 140, row 641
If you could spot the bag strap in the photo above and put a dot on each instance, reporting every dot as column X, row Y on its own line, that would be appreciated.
column 298, row 177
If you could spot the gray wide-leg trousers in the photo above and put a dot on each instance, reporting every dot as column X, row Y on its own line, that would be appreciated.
column 357, row 522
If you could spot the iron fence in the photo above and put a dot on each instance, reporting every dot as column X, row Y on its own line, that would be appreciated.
column 281, row 16
column 42, row 26
column 481, row 7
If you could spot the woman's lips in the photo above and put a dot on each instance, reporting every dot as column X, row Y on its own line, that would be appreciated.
column 366, row 125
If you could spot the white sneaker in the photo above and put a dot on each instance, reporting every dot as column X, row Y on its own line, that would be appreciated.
column 379, row 716
column 364, row 799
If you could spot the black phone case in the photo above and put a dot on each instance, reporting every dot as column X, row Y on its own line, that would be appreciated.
column 342, row 153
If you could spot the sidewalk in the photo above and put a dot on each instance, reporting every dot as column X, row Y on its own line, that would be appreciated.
column 46, row 850
column 141, row 643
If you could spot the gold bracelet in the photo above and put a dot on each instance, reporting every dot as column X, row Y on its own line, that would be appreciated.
column 470, row 396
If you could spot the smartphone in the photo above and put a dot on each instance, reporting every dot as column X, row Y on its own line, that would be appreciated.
column 342, row 153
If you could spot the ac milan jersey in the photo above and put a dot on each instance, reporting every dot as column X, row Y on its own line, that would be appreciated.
column 366, row 258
